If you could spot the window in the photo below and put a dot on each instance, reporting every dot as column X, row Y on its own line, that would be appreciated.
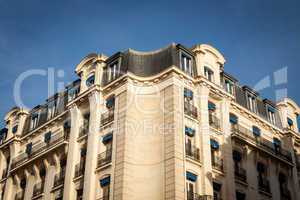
column 51, row 109
column 191, row 179
column 240, row 195
column 229, row 86
column 34, row 120
column 28, row 148
column 113, row 71
column 90, row 80
column 271, row 114
column 256, row 131
column 209, row 74
column 251, row 100
column 73, row 92
column 233, row 119
column 290, row 123
column 105, row 185
column 217, row 191
column 47, row 137
column 110, row 102
column 277, row 144
column 188, row 95
column 15, row 129
column 79, row 194
column 186, row 64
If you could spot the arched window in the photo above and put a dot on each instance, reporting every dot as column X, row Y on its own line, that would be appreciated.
column 90, row 80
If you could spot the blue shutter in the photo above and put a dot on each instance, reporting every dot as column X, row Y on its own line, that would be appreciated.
column 188, row 93
column 271, row 109
column 108, row 137
column 110, row 102
column 276, row 142
column 105, row 181
column 290, row 122
column 211, row 106
column 256, row 131
column 191, row 177
column 189, row 131
column 214, row 144
column 233, row 119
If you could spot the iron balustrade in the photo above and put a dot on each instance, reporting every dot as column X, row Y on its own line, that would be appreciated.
column 264, row 184
column 104, row 158
column 195, row 196
column 107, row 117
column 240, row 174
column 217, row 163
column 246, row 135
column 192, row 152
column 59, row 178
column 38, row 148
column 79, row 169
column 214, row 122
column 190, row 110
column 38, row 188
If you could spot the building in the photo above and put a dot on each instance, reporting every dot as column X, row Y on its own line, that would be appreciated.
column 164, row 125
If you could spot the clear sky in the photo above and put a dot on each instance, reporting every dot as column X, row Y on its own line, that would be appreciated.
column 257, row 37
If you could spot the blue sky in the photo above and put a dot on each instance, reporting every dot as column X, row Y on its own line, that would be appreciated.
column 257, row 37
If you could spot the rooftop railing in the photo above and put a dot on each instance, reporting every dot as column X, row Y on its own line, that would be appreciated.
column 190, row 110
column 247, row 135
column 104, row 158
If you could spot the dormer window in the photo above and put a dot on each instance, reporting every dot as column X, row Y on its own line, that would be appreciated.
column 74, row 90
column 90, row 80
column 34, row 120
column 229, row 85
column 51, row 108
column 251, row 100
column 290, row 123
column 186, row 64
column 271, row 114
column 113, row 71
column 209, row 74
column 14, row 129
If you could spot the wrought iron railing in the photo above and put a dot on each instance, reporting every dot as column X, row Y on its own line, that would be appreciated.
column 192, row 152
column 217, row 163
column 38, row 188
column 214, row 122
column 264, row 184
column 190, row 110
column 247, row 135
column 240, row 174
column 195, row 196
column 107, row 117
column 104, row 158
column 38, row 148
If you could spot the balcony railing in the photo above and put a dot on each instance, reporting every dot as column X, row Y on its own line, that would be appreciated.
column 38, row 148
column 107, row 117
column 217, row 163
column 79, row 169
column 104, row 158
column 195, row 196
column 192, row 152
column 20, row 195
column 83, row 130
column 214, row 122
column 240, row 174
column 285, row 193
column 38, row 189
column 190, row 110
column 264, row 185
column 59, row 178
column 247, row 135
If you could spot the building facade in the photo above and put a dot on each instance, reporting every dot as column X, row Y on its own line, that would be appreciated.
column 164, row 125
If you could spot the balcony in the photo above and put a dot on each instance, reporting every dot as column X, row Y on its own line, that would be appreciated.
column 104, row 158
column 214, row 122
column 107, row 117
column 59, row 178
column 20, row 195
column 195, row 196
column 285, row 193
column 240, row 174
column 83, row 130
column 217, row 163
column 192, row 152
column 264, row 185
column 190, row 110
column 79, row 169
column 38, row 189
column 247, row 135
column 39, row 148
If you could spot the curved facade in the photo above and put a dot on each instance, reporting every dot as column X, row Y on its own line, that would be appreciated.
column 169, row 124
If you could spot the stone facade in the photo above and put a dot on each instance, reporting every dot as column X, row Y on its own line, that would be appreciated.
column 169, row 124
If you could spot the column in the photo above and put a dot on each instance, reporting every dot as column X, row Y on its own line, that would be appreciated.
column 69, row 186
column 9, row 189
column 206, row 176
column 251, row 174
column 30, row 182
column 49, row 180
column 92, row 147
column 227, row 151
